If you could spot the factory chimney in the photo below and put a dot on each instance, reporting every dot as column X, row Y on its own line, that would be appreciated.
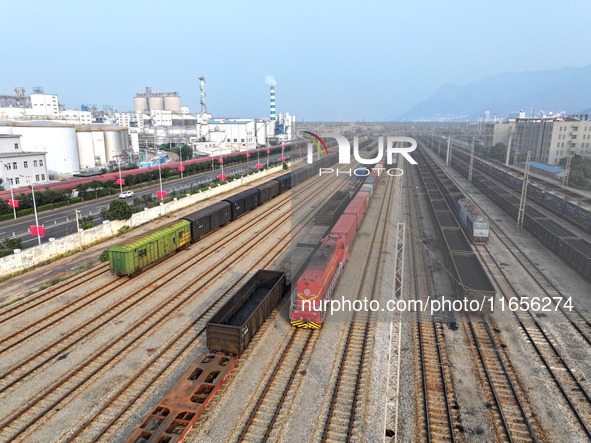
column 272, row 114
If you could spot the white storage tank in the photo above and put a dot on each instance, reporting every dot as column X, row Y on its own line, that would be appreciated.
column 57, row 140
column 135, row 141
column 140, row 104
column 113, row 147
column 85, row 148
column 172, row 103
column 156, row 103
column 98, row 140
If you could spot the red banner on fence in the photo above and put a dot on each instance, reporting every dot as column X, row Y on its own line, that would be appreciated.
column 37, row 230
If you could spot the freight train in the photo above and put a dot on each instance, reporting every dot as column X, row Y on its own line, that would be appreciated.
column 132, row 256
column 68, row 185
column 567, row 204
column 473, row 221
column 318, row 281
column 567, row 245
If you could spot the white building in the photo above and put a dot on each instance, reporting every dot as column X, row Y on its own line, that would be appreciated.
column 44, row 105
column 19, row 167
column 76, row 117
column 161, row 117
column 549, row 139
column 237, row 133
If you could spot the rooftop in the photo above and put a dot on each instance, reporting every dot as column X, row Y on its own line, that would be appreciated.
column 544, row 167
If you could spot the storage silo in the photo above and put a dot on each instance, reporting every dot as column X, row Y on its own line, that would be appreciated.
column 156, row 103
column 85, row 148
column 124, row 135
column 172, row 103
column 98, row 140
column 57, row 140
column 135, row 141
column 140, row 104
column 113, row 148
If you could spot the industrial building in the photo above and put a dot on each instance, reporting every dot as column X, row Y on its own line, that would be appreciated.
column 20, row 167
column 548, row 138
column 57, row 140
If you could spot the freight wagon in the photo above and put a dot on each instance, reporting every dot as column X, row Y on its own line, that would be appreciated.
column 233, row 327
column 209, row 219
column 132, row 256
column 127, row 259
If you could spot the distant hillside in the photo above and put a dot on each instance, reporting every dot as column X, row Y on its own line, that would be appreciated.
column 565, row 89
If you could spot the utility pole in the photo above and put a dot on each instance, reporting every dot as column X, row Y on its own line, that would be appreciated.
column 569, row 160
column 471, row 163
column 521, row 213
column 508, row 150
column 448, row 149
column 35, row 208
column 78, row 231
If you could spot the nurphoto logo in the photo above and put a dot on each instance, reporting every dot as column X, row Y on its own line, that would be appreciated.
column 395, row 145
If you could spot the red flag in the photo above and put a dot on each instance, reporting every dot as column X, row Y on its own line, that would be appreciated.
column 222, row 176
column 282, row 159
column 161, row 194
column 181, row 168
column 120, row 181
column 268, row 151
column 37, row 230
column 259, row 166
column 220, row 160
column 13, row 203
column 247, row 155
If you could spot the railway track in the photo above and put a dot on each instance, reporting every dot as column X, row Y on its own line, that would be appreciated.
column 46, row 355
column 108, row 420
column 279, row 387
column 556, row 364
column 15, row 309
column 514, row 419
column 340, row 416
column 440, row 418
column 21, row 419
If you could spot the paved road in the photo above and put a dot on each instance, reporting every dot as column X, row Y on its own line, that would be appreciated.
column 62, row 221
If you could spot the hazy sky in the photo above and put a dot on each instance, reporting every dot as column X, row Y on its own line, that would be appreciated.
column 332, row 60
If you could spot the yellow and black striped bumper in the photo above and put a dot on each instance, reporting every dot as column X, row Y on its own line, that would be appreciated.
column 306, row 324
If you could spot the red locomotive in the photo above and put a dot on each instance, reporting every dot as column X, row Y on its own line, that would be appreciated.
column 318, row 281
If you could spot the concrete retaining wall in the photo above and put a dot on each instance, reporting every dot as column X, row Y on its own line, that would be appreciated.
column 30, row 257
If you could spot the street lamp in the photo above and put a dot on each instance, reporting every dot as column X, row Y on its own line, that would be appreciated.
column 35, row 210
column 161, row 193
column 120, row 181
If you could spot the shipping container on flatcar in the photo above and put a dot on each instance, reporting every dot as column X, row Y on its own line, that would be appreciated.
column 233, row 327
column 209, row 219
column 133, row 255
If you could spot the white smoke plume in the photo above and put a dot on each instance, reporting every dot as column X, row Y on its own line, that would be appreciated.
column 270, row 80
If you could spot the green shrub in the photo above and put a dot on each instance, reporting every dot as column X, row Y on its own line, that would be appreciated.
column 124, row 229
column 104, row 256
column 75, row 200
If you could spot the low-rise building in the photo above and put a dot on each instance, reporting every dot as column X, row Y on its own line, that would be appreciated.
column 19, row 167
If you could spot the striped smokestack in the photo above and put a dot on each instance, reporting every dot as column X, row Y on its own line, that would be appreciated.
column 272, row 112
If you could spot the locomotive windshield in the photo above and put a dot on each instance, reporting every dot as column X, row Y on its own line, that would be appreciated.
column 481, row 225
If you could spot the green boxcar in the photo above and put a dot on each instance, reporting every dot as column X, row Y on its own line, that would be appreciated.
column 131, row 257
